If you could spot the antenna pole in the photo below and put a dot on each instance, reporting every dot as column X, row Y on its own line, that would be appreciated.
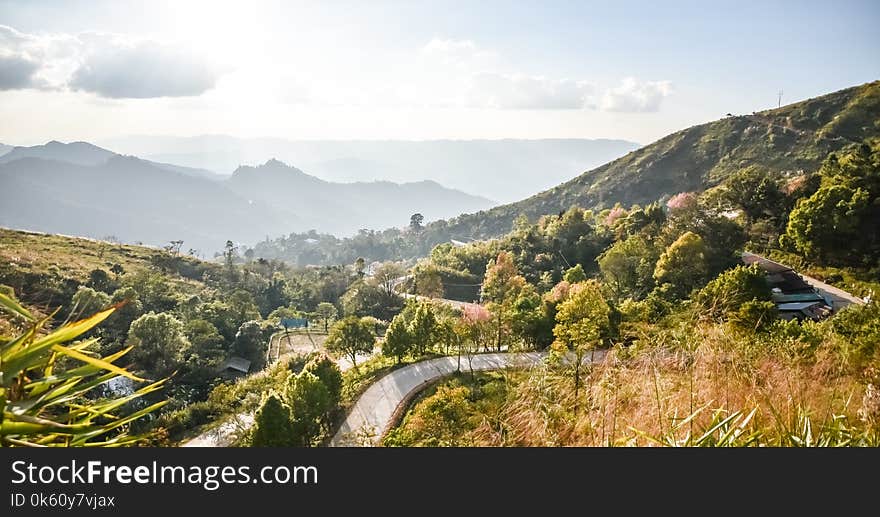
column 779, row 99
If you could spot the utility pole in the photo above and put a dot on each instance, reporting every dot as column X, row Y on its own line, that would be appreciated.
column 779, row 99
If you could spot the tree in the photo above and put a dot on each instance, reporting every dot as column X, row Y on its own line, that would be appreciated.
column 117, row 270
column 272, row 424
column 415, row 222
column 683, row 264
column 326, row 311
column 730, row 290
column 230, row 254
column 387, row 276
column 325, row 369
column 753, row 191
column 359, row 266
column 88, row 301
column 309, row 401
column 428, row 282
column 101, row 281
column 159, row 343
column 575, row 274
column 250, row 343
column 501, row 287
column 829, row 226
column 423, row 328
column 627, row 267
column 581, row 322
column 351, row 336
column 207, row 348
column 398, row 341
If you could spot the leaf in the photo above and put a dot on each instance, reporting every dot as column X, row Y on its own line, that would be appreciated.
column 94, row 361
column 14, row 307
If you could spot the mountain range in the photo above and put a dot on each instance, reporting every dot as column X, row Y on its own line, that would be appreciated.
column 792, row 138
column 82, row 189
column 503, row 170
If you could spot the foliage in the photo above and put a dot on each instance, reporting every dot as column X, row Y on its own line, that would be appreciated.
column 683, row 264
column 727, row 293
column 46, row 400
column 272, row 424
column 351, row 336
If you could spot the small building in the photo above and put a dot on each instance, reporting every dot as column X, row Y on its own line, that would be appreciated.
column 793, row 296
column 803, row 310
column 235, row 367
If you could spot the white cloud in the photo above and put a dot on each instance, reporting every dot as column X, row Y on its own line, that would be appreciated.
column 107, row 65
column 494, row 90
column 635, row 96
column 142, row 70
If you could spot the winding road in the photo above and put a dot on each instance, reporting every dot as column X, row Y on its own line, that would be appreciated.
column 373, row 413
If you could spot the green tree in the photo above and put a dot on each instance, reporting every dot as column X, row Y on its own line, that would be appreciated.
column 725, row 294
column 325, row 369
column 159, row 343
column 828, row 226
column 683, row 264
column 423, row 328
column 272, row 424
column 753, row 191
column 310, row 401
column 627, row 267
column 351, row 336
column 207, row 348
column 250, row 343
column 415, row 222
column 575, row 274
column 326, row 311
column 398, row 341
column 501, row 287
column 88, row 301
column 582, row 321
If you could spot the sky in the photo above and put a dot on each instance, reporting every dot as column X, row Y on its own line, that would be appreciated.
column 416, row 70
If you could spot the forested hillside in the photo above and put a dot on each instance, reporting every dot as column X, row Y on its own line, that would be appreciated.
column 791, row 139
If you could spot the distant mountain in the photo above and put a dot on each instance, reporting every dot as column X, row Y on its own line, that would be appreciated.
column 504, row 170
column 4, row 149
column 791, row 138
column 131, row 199
column 344, row 208
column 79, row 153
column 81, row 189
column 84, row 153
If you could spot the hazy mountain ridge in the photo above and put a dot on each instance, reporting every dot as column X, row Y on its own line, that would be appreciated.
column 505, row 169
column 794, row 137
column 82, row 189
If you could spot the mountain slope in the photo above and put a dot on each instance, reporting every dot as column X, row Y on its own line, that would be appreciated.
column 343, row 208
column 4, row 149
column 131, row 199
column 84, row 153
column 791, row 138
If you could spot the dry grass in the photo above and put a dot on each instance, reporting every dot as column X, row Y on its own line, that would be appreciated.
column 647, row 392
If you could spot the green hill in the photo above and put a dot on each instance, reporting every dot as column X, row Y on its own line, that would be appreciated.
column 791, row 138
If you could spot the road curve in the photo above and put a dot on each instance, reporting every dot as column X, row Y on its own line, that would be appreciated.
column 372, row 413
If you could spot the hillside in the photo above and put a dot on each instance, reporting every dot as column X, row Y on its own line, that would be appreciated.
column 791, row 138
column 82, row 189
column 130, row 199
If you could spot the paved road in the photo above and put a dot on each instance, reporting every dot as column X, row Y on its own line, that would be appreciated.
column 372, row 414
column 224, row 434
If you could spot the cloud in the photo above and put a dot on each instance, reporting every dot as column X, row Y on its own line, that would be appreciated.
column 107, row 65
column 494, row 90
column 143, row 70
column 633, row 96
column 17, row 72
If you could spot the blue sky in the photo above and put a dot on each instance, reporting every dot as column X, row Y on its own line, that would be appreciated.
column 417, row 69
